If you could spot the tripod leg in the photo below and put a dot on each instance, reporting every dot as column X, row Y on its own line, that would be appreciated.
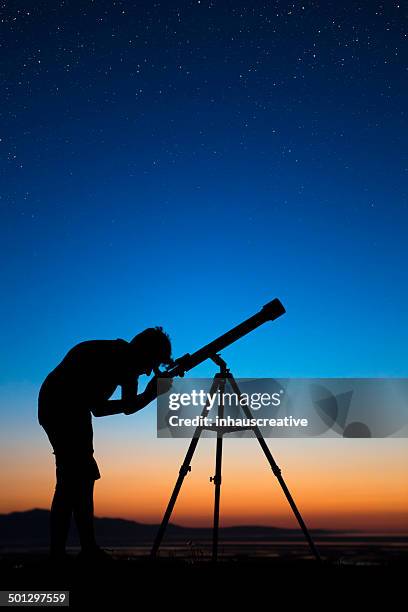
column 217, row 478
column 277, row 472
column 184, row 470
column 217, row 482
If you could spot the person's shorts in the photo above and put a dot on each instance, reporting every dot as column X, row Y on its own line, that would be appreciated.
column 77, row 468
column 73, row 454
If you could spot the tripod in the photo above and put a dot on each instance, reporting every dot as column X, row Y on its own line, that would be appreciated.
column 218, row 384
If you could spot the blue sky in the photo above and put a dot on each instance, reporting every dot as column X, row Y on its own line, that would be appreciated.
column 184, row 165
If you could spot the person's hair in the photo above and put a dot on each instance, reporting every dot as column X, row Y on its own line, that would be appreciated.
column 155, row 342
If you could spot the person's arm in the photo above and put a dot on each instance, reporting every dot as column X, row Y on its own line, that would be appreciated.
column 130, row 401
column 121, row 406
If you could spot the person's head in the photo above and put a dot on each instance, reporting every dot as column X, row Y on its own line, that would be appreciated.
column 152, row 349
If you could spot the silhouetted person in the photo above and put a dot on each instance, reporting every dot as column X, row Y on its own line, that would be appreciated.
column 80, row 385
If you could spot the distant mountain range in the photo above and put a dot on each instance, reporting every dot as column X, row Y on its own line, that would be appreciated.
column 31, row 529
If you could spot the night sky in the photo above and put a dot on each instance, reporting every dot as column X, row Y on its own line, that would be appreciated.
column 183, row 163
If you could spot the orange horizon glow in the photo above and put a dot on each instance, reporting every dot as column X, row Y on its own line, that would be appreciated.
column 337, row 484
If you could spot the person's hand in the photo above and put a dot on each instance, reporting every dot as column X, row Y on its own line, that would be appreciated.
column 165, row 385
column 151, row 387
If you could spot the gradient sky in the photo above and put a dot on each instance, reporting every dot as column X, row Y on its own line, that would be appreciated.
column 182, row 164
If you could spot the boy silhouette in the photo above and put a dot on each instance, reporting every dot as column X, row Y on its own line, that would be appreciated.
column 79, row 387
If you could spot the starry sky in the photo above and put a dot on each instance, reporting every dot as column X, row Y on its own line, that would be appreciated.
column 183, row 163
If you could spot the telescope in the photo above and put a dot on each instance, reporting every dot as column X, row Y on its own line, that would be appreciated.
column 271, row 311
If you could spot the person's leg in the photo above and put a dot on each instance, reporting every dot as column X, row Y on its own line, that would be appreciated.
column 83, row 508
column 60, row 520
column 62, row 504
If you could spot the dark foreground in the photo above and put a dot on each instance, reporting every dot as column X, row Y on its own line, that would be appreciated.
column 127, row 580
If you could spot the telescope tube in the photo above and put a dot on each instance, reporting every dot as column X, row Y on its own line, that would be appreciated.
column 271, row 311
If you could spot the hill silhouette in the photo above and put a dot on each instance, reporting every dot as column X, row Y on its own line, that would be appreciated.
column 30, row 529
